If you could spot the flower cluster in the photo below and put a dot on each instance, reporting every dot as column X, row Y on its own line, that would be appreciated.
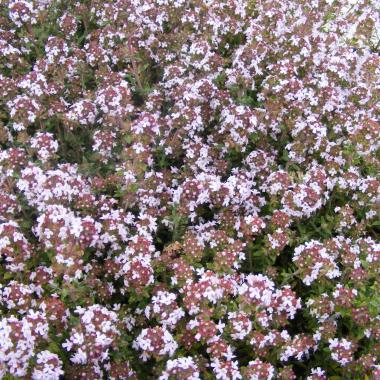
column 189, row 189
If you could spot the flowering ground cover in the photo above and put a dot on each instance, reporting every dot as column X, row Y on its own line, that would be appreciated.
column 189, row 189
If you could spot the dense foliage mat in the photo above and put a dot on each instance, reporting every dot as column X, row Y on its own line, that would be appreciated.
column 189, row 189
